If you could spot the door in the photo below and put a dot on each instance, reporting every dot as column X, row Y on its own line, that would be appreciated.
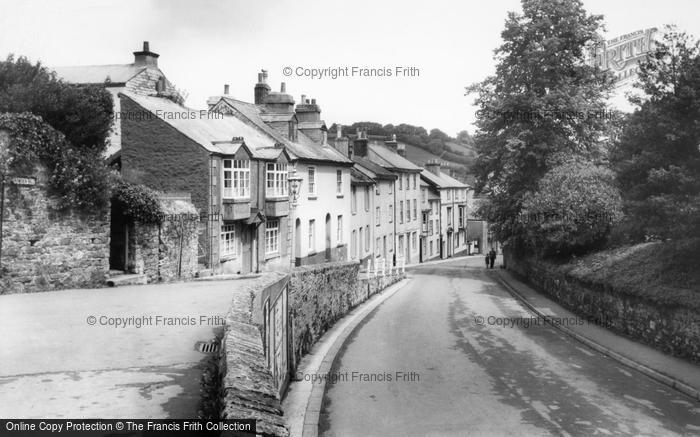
column 384, row 250
column 246, row 249
column 408, row 248
column 328, row 237
column 119, row 239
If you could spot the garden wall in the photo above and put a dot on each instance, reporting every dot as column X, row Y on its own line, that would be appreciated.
column 47, row 249
column 671, row 329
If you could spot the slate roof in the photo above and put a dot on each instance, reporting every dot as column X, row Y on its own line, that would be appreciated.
column 389, row 159
column 442, row 181
column 213, row 133
column 304, row 148
column 378, row 172
column 97, row 74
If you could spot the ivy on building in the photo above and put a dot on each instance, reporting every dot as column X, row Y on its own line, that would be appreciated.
column 78, row 178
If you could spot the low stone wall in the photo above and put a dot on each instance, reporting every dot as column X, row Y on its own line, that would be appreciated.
column 673, row 330
column 321, row 294
column 247, row 387
column 167, row 251
column 46, row 249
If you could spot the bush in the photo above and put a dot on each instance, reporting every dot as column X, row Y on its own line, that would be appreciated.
column 138, row 202
column 576, row 206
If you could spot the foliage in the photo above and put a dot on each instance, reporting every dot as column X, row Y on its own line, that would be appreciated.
column 573, row 210
column 79, row 178
column 138, row 202
column 658, row 155
column 534, row 113
column 82, row 113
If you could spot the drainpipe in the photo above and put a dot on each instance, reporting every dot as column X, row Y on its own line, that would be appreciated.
column 2, row 213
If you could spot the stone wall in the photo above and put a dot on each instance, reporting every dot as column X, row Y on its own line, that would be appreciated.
column 321, row 294
column 247, row 387
column 46, row 249
column 167, row 251
column 673, row 330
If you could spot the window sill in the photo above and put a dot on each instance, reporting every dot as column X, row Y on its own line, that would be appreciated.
column 272, row 255
column 236, row 199
column 230, row 257
column 339, row 196
column 312, row 197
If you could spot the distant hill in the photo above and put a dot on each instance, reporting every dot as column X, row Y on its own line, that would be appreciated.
column 457, row 154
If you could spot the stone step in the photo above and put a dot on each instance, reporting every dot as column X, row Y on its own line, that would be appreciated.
column 127, row 279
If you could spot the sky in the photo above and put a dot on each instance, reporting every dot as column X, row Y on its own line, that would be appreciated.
column 205, row 44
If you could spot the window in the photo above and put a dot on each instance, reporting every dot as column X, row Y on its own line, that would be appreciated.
column 367, row 238
column 367, row 198
column 414, row 241
column 431, row 248
column 339, row 181
column 461, row 217
column 449, row 194
column 312, row 232
column 449, row 216
column 423, row 195
column 391, row 242
column 272, row 237
column 379, row 245
column 377, row 217
column 236, row 179
column 339, row 237
column 415, row 179
column 391, row 213
column 391, row 187
column 401, row 244
column 276, row 175
column 353, row 199
column 415, row 209
column 360, row 248
column 228, row 240
column 400, row 182
column 312, row 180
column 401, row 211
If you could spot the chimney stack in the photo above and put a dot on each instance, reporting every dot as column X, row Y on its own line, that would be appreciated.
column 226, row 89
column 360, row 144
column 283, row 88
column 433, row 166
column 392, row 144
column 146, row 56
column 262, row 89
column 338, row 130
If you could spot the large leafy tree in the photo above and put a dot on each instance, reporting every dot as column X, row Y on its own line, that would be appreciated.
column 534, row 113
column 82, row 113
column 658, row 155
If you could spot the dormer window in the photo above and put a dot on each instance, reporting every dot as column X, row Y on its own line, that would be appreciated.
column 160, row 85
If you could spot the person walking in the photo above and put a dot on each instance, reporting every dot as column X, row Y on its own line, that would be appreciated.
column 488, row 259
column 492, row 256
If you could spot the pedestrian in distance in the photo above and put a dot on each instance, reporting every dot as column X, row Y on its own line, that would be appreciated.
column 492, row 256
column 488, row 259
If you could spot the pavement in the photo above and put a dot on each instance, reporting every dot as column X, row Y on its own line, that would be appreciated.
column 63, row 354
column 302, row 403
column 454, row 353
column 672, row 371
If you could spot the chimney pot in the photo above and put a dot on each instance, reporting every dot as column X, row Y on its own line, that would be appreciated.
column 339, row 131
column 303, row 98
column 283, row 88
column 226, row 89
column 145, row 46
column 313, row 101
column 264, row 73
column 260, row 77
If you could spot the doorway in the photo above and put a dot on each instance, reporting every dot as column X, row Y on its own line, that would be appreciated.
column 328, row 237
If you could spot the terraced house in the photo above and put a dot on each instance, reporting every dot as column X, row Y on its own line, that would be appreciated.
column 321, row 219
column 453, row 210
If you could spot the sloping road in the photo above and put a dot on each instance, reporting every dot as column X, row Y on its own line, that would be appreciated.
column 454, row 371
column 55, row 364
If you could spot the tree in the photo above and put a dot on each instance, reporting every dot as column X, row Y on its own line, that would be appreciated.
column 573, row 210
column 658, row 155
column 533, row 113
column 82, row 113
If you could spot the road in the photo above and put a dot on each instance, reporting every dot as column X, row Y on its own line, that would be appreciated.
column 57, row 362
column 428, row 362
